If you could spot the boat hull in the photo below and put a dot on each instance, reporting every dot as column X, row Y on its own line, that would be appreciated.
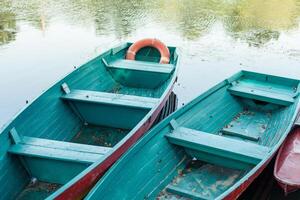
column 286, row 170
column 81, row 187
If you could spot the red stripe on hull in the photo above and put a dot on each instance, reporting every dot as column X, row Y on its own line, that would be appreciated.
column 82, row 186
column 239, row 190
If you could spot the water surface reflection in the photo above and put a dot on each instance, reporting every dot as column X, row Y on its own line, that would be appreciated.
column 41, row 40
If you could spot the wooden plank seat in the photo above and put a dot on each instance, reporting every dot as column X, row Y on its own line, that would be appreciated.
column 141, row 66
column 39, row 155
column 136, row 73
column 58, row 150
column 109, row 109
column 184, row 192
column 111, row 99
column 241, row 133
column 219, row 146
column 261, row 95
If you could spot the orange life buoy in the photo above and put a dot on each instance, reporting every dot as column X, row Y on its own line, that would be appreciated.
column 149, row 42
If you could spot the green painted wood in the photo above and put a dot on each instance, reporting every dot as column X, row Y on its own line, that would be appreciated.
column 271, row 79
column 221, row 146
column 219, row 160
column 248, row 124
column 15, row 136
column 297, row 121
column 227, row 161
column 191, row 182
column 123, row 117
column 57, row 150
column 49, row 117
column 241, row 134
column 141, row 66
column 276, row 98
column 111, row 99
column 138, row 74
column 110, row 109
column 53, row 171
column 184, row 193
column 43, row 155
column 66, row 146
column 144, row 72
column 54, row 154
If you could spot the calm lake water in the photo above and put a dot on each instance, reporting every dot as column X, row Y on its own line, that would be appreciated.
column 41, row 40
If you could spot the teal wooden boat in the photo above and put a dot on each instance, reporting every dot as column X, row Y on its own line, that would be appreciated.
column 79, row 127
column 212, row 148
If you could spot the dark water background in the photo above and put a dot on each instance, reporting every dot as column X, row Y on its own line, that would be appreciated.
column 41, row 40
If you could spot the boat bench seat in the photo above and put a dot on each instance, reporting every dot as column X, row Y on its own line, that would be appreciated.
column 110, row 109
column 43, row 154
column 267, row 95
column 136, row 73
column 220, row 146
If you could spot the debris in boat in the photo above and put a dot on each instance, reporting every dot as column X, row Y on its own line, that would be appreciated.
column 78, row 135
column 116, row 89
column 42, row 186
column 180, row 172
column 33, row 182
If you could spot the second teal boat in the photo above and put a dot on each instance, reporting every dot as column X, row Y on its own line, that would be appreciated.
column 212, row 148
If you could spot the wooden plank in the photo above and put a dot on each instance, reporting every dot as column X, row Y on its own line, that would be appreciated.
column 111, row 98
column 268, row 86
column 67, row 146
column 15, row 136
column 174, row 124
column 142, row 66
column 218, row 145
column 261, row 95
column 297, row 122
column 52, row 153
column 229, row 131
column 184, row 193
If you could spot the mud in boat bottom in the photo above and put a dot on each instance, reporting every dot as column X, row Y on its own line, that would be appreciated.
column 39, row 190
column 200, row 180
column 99, row 135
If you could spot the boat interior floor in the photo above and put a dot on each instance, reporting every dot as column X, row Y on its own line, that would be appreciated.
column 37, row 190
column 200, row 180
column 216, row 160
column 99, row 135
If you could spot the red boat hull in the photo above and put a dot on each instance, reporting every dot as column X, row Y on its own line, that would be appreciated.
column 79, row 189
column 287, row 164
